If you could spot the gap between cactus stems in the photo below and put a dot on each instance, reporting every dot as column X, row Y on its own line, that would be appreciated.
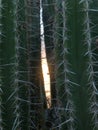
column 45, row 68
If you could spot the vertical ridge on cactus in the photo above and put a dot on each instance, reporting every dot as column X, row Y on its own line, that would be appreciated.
column 78, row 39
column 67, row 82
column 93, row 13
column 0, row 70
column 8, row 56
column 15, row 83
column 22, row 65
column 61, row 51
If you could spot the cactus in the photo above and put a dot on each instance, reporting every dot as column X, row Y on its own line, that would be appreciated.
column 0, row 71
column 8, row 55
column 74, row 62
column 94, row 34
column 58, row 51
column 94, row 25
column 34, row 63
column 20, row 66
column 71, row 39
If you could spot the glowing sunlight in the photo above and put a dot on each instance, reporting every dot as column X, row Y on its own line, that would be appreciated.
column 46, row 78
column 44, row 60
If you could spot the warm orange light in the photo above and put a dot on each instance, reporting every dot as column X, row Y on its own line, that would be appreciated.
column 44, row 60
column 46, row 76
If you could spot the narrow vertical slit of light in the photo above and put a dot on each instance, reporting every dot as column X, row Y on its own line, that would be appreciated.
column 45, row 69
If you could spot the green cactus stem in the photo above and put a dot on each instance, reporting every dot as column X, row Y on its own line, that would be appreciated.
column 0, row 71
column 34, row 62
column 93, row 13
column 76, row 64
column 22, row 65
column 8, row 56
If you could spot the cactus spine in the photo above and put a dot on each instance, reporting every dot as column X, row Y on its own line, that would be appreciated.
column 93, row 12
column 8, row 56
column 34, row 62
column 74, row 63
column 22, row 65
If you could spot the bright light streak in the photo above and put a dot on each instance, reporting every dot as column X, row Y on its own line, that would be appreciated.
column 44, row 60
column 46, row 81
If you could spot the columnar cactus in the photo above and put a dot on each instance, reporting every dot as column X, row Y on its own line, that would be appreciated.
column 94, row 33
column 70, row 27
column 74, row 61
column 34, row 61
column 0, row 72
column 8, row 55
column 20, row 66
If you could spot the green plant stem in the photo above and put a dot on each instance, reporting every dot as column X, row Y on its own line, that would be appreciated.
column 93, row 13
column 22, row 65
column 59, row 65
column 10, row 113
column 34, row 62
column 79, row 59
column 75, row 64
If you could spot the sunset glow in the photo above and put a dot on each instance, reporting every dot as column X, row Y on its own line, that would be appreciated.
column 46, row 79
column 45, row 69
